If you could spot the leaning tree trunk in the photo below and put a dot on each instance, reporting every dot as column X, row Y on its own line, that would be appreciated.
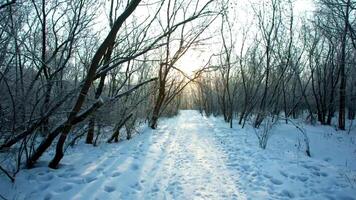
column 156, row 111
column 160, row 98
column 90, row 135
column 104, row 47
column 102, row 50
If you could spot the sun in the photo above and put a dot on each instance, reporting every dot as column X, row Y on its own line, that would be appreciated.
column 191, row 61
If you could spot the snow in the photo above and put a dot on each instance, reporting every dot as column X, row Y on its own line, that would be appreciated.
column 195, row 157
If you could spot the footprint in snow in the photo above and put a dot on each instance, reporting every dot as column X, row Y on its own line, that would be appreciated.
column 76, row 180
column 311, row 167
column 64, row 188
column 315, row 173
column 43, row 187
column 154, row 190
column 245, row 167
column 48, row 196
column 267, row 176
column 287, row 193
column 31, row 177
column 68, row 175
column 232, row 165
column 69, row 169
column 63, row 175
column 137, row 186
column 276, row 181
column 253, row 174
column 134, row 167
column 109, row 188
column 89, row 179
column 88, row 163
column 324, row 174
column 116, row 174
column 345, row 197
column 100, row 169
column 74, row 174
column 303, row 178
column 283, row 174
column 47, row 177
column 42, row 173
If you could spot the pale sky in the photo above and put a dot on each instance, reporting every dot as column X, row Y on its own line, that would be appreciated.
column 242, row 16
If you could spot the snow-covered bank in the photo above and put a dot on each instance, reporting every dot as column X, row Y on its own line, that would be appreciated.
column 283, row 171
column 193, row 157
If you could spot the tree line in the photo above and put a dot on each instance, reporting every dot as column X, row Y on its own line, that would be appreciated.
column 285, row 65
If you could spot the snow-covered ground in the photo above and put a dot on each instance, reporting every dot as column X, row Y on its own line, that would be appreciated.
column 194, row 157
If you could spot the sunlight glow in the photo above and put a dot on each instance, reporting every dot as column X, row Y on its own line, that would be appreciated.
column 192, row 61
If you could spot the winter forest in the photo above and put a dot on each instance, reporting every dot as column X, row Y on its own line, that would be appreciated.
column 178, row 99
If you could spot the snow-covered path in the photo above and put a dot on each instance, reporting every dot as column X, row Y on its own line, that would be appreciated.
column 192, row 165
column 189, row 157
column 179, row 160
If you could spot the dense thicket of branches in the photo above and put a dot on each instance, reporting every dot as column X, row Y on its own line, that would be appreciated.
column 282, row 64
column 70, row 69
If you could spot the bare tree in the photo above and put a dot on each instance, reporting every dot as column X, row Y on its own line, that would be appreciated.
column 170, row 86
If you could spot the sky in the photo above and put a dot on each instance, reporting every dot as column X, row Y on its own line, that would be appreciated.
column 241, row 14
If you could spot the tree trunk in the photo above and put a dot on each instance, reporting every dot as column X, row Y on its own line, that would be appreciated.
column 160, row 98
column 90, row 135
column 342, row 104
column 115, row 134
